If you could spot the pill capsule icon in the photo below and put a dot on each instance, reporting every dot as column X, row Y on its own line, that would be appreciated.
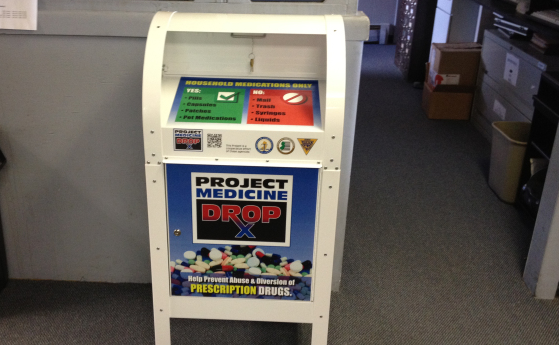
column 254, row 271
column 215, row 254
column 204, row 252
column 204, row 265
column 198, row 269
column 190, row 255
column 296, row 266
column 238, row 261
column 216, row 268
column 294, row 274
column 253, row 262
column 214, row 263
column 258, row 252
column 273, row 271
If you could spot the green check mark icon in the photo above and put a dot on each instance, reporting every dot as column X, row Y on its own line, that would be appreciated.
column 227, row 97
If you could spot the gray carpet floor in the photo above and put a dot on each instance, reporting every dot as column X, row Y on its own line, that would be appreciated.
column 431, row 256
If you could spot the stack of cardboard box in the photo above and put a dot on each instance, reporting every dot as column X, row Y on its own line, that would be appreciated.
column 450, row 80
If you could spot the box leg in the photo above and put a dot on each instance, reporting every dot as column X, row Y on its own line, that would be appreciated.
column 320, row 331
column 162, row 324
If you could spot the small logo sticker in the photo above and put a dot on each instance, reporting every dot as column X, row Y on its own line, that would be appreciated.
column 264, row 145
column 286, row 146
column 307, row 144
column 188, row 140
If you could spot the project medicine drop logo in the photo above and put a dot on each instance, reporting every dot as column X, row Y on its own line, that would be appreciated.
column 237, row 209
column 188, row 140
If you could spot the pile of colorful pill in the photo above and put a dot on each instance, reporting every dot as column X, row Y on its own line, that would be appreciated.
column 242, row 262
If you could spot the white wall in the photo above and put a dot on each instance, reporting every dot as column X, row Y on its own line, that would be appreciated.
column 72, row 195
column 73, row 191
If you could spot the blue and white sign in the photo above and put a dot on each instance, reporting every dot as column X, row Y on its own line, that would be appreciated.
column 250, row 229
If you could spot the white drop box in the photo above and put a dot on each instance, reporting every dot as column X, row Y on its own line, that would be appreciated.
column 244, row 121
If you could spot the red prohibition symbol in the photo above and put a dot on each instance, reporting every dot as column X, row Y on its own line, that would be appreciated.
column 294, row 98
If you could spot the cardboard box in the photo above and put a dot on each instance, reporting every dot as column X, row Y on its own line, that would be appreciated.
column 454, row 64
column 447, row 102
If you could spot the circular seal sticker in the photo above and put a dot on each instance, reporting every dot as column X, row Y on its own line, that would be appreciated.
column 286, row 146
column 264, row 145
column 294, row 98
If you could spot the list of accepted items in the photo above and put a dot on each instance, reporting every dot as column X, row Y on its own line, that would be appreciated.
column 211, row 105
column 274, row 102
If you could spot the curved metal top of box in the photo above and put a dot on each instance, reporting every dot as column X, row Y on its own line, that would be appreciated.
column 244, row 23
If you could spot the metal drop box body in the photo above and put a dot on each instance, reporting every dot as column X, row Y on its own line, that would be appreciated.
column 244, row 120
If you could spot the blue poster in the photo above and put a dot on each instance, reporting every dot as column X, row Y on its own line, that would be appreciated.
column 241, row 232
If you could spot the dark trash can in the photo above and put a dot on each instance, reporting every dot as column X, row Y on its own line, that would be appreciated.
column 507, row 154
